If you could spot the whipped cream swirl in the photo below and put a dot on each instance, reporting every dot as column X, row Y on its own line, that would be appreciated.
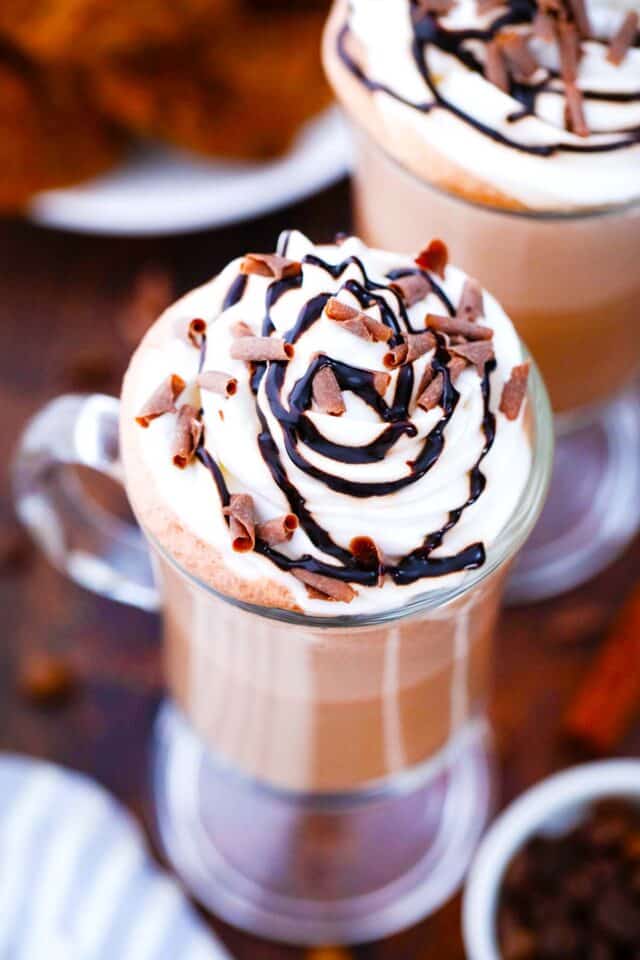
column 430, row 71
column 431, row 487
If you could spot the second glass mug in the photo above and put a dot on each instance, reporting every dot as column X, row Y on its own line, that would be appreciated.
column 571, row 284
column 316, row 779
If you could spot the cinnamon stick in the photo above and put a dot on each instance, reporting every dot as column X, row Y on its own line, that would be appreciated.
column 609, row 697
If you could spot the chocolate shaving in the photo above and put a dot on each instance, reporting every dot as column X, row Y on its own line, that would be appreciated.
column 412, row 288
column 456, row 366
column 623, row 39
column 431, row 391
column 413, row 346
column 381, row 382
column 478, row 354
column 326, row 392
column 514, row 391
column 471, row 303
column 434, row 257
column 568, row 50
column 162, row 400
column 214, row 381
column 456, row 326
column 278, row 530
column 574, row 111
column 432, row 384
column 543, row 27
column 270, row 265
column 519, row 59
column 580, row 17
column 495, row 67
column 357, row 322
column 187, row 435
column 241, row 329
column 196, row 332
column 320, row 587
column 241, row 522
column 256, row 349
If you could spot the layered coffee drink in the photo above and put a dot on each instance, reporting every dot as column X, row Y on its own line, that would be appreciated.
column 335, row 453
column 334, row 432
column 513, row 128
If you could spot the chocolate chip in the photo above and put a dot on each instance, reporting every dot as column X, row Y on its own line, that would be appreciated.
column 46, row 680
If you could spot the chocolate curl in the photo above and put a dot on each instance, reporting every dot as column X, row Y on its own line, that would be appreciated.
column 574, row 111
column 381, row 382
column 278, row 530
column 623, row 39
column 520, row 62
column 325, row 588
column 257, row 349
column 514, row 391
column 471, row 303
column 568, row 50
column 196, row 332
column 214, row 381
column 434, row 258
column 430, row 390
column 432, row 385
column 270, row 265
column 580, row 17
column 326, row 392
column 162, row 400
column 241, row 329
column 456, row 326
column 543, row 27
column 369, row 556
column 478, row 354
column 414, row 345
column 187, row 436
column 241, row 522
column 495, row 67
column 412, row 288
column 357, row 322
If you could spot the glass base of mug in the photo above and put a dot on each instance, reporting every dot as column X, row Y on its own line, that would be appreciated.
column 325, row 868
column 593, row 508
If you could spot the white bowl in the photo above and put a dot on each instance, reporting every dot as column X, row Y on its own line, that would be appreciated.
column 551, row 808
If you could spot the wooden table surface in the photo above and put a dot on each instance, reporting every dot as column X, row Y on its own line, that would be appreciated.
column 59, row 295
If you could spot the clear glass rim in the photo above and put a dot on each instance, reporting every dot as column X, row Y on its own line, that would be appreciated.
column 509, row 541
column 546, row 215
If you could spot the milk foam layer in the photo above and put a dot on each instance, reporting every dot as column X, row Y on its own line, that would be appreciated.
column 576, row 173
column 182, row 509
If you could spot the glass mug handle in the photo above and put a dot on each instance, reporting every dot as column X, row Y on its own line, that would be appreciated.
column 81, row 538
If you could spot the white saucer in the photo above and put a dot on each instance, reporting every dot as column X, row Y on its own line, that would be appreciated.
column 161, row 191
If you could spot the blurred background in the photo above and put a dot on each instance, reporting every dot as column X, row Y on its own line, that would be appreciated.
column 142, row 146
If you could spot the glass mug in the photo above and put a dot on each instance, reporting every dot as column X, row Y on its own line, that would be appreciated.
column 316, row 779
column 571, row 284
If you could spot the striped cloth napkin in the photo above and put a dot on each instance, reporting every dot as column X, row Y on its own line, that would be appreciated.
column 76, row 878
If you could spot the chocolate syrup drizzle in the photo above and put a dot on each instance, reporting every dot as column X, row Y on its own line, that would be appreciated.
column 299, row 430
column 428, row 33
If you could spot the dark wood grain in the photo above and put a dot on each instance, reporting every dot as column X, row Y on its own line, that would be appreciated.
column 59, row 297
